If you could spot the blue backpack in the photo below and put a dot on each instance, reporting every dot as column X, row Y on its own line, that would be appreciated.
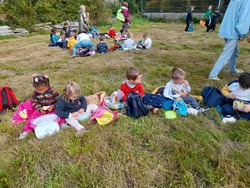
column 212, row 96
column 157, row 101
column 136, row 108
column 180, row 107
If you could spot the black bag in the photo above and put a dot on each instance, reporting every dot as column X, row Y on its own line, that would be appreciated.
column 157, row 100
column 212, row 96
column 136, row 108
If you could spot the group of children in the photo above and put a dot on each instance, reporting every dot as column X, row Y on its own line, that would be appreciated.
column 71, row 40
column 211, row 18
column 71, row 105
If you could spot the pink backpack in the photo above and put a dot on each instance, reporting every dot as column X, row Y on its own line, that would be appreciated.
column 103, row 115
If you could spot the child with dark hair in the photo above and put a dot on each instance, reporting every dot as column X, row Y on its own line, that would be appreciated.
column 53, row 36
column 238, row 99
column 189, row 17
column 43, row 100
column 178, row 87
column 101, row 46
column 133, row 84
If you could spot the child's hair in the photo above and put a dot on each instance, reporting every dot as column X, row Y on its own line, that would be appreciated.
column 53, row 30
column 65, row 24
column 40, row 80
column 145, row 35
column 62, row 33
column 71, row 88
column 110, row 27
column 101, row 38
column 244, row 80
column 177, row 73
column 72, row 34
column 133, row 73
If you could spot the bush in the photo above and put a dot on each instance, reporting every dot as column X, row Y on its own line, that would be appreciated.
column 26, row 13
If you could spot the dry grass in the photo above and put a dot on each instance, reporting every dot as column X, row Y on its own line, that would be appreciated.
column 148, row 152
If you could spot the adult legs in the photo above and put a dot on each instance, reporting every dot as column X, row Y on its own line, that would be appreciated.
column 232, row 61
column 228, row 51
column 77, row 45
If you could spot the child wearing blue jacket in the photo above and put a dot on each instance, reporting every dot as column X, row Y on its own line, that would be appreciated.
column 73, row 107
column 189, row 17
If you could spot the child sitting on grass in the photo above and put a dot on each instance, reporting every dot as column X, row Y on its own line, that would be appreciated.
column 72, row 41
column 112, row 32
column 178, row 87
column 237, row 91
column 43, row 100
column 129, row 43
column 101, row 46
column 147, row 42
column 73, row 107
column 133, row 84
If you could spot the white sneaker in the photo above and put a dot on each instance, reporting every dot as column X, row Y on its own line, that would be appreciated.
column 228, row 120
column 22, row 135
column 64, row 126
column 214, row 78
column 238, row 71
column 203, row 109
column 81, row 132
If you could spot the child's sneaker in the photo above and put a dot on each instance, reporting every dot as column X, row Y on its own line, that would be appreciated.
column 228, row 119
column 64, row 126
column 154, row 110
column 81, row 132
column 22, row 135
column 203, row 109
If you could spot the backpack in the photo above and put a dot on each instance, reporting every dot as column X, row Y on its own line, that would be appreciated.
column 103, row 115
column 8, row 99
column 191, row 28
column 136, row 108
column 157, row 101
column 212, row 96
column 46, row 125
column 180, row 107
column 119, row 15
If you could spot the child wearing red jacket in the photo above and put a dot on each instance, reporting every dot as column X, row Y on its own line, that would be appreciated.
column 133, row 84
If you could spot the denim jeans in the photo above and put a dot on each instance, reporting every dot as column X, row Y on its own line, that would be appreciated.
column 83, row 44
column 229, row 54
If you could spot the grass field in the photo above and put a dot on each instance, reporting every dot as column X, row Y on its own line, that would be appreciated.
column 152, row 151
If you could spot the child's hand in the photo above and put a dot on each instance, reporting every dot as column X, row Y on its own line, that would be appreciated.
column 50, row 108
column 183, row 94
column 42, row 111
column 247, row 108
column 231, row 96
column 81, row 111
column 185, row 82
column 74, row 114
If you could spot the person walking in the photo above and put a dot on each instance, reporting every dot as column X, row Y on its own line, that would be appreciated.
column 234, row 28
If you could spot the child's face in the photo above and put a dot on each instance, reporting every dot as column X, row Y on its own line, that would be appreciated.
column 73, row 96
column 41, row 89
column 179, row 80
column 137, row 80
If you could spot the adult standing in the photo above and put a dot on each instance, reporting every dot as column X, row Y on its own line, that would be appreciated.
column 234, row 27
column 83, row 19
column 125, row 11
column 189, row 17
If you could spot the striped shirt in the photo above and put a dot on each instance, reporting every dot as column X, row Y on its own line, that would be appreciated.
column 48, row 98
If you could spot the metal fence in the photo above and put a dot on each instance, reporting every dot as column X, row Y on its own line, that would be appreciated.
column 179, row 6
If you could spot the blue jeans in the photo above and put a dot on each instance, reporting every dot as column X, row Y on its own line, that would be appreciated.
column 230, row 52
column 83, row 44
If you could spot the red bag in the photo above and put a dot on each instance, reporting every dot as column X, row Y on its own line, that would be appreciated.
column 8, row 99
